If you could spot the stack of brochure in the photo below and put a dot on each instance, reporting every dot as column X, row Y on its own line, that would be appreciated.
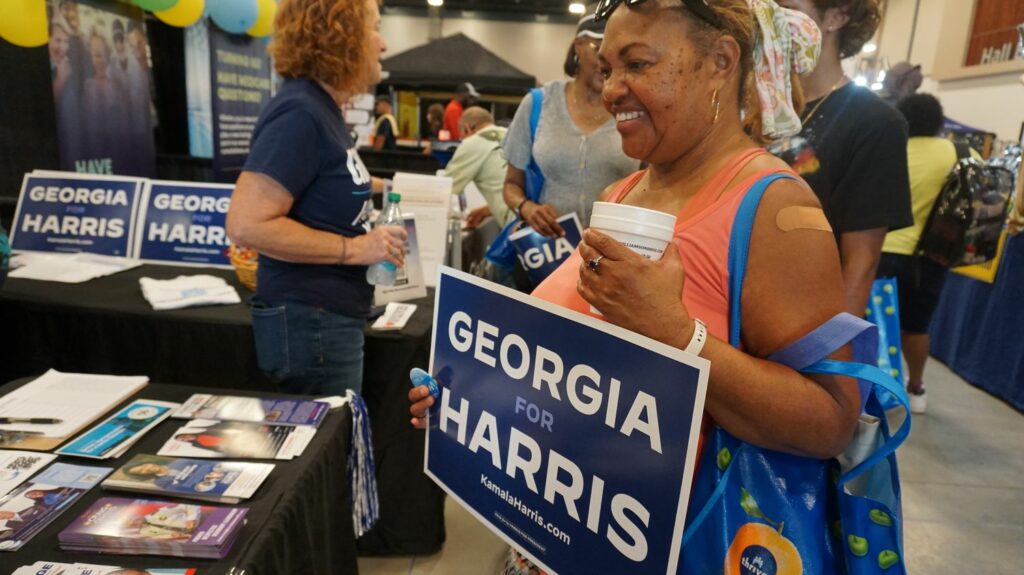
column 54, row 568
column 205, row 480
column 145, row 527
column 34, row 505
column 236, row 408
column 208, row 438
column 117, row 433
column 234, row 427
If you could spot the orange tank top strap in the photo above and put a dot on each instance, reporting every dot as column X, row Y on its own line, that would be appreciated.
column 625, row 185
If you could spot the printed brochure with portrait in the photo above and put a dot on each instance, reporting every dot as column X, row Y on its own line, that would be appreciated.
column 150, row 527
column 202, row 479
column 238, row 440
column 257, row 409
column 35, row 504
column 114, row 436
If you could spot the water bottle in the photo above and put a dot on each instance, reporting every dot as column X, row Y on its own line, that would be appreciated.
column 384, row 273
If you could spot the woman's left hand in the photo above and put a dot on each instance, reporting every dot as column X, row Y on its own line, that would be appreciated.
column 633, row 292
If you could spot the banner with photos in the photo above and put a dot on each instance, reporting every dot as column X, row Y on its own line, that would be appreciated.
column 99, row 65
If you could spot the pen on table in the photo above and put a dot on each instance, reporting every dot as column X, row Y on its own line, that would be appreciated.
column 37, row 420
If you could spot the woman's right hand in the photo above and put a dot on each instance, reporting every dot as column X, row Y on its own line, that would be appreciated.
column 382, row 243
column 543, row 218
column 420, row 400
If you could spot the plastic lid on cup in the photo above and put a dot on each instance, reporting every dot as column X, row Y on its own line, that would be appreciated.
column 394, row 197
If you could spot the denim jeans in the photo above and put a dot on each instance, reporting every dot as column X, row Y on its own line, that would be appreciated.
column 308, row 350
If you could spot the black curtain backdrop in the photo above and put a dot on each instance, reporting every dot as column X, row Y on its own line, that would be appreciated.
column 28, row 124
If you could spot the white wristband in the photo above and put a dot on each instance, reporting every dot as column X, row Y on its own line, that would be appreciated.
column 700, row 336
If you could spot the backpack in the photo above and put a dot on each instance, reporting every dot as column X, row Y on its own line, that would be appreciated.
column 965, row 222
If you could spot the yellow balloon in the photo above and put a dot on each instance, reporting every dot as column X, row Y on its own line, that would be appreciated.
column 184, row 13
column 264, row 25
column 23, row 23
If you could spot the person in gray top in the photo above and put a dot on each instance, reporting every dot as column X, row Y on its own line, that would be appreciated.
column 576, row 144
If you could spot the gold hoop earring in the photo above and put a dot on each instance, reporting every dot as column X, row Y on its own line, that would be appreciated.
column 716, row 104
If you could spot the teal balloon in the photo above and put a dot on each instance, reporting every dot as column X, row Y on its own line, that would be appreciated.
column 155, row 5
column 234, row 16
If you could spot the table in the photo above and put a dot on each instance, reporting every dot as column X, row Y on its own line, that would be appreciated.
column 300, row 520
column 977, row 328
column 106, row 326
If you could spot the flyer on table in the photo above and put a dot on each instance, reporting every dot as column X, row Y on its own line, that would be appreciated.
column 205, row 479
column 32, row 506
column 570, row 438
column 120, row 431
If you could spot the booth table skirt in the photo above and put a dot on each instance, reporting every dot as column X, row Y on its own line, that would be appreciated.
column 299, row 521
column 978, row 328
column 106, row 326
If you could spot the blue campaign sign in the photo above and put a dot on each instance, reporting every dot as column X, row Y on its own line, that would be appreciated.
column 184, row 223
column 541, row 255
column 570, row 438
column 68, row 212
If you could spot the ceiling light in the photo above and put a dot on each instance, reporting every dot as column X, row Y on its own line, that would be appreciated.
column 860, row 81
column 435, row 2
column 876, row 86
column 577, row 8
column 870, row 47
column 881, row 75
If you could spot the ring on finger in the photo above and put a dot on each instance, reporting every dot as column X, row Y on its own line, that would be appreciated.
column 595, row 264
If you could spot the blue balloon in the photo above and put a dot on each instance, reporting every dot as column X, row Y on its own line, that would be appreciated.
column 234, row 16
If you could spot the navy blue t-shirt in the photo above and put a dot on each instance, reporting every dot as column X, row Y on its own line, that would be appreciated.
column 302, row 143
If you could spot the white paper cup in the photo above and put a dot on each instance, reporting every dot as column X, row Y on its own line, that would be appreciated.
column 646, row 232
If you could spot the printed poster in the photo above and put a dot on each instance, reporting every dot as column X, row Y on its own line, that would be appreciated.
column 573, row 440
column 66, row 212
column 184, row 223
column 542, row 255
column 240, row 87
column 99, row 66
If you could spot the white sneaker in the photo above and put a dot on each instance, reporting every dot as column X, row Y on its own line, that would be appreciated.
column 918, row 402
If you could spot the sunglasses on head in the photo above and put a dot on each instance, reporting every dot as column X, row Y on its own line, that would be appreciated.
column 698, row 7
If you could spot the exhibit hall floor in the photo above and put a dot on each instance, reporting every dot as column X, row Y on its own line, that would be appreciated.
column 963, row 495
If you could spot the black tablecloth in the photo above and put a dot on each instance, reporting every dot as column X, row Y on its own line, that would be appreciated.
column 300, row 520
column 106, row 326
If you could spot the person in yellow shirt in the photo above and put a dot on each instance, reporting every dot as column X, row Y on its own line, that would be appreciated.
column 919, row 281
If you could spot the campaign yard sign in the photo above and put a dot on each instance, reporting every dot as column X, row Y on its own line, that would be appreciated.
column 184, row 223
column 570, row 438
column 68, row 212
column 541, row 255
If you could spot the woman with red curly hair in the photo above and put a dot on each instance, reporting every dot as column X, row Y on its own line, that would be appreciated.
column 852, row 150
column 299, row 200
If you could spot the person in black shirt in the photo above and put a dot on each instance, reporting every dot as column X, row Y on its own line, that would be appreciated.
column 852, row 150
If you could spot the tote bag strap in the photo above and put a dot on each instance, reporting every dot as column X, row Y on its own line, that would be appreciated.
column 739, row 248
column 534, row 176
column 880, row 380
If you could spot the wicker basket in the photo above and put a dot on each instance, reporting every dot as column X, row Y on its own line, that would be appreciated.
column 244, row 261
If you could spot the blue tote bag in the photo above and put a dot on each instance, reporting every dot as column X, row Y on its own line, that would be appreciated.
column 500, row 252
column 757, row 511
